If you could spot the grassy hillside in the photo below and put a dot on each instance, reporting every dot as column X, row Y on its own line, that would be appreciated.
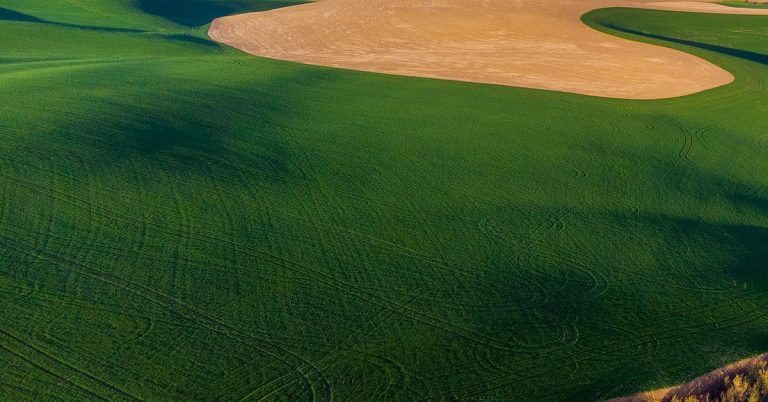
column 183, row 221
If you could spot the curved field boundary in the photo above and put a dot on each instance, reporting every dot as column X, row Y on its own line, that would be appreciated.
column 532, row 44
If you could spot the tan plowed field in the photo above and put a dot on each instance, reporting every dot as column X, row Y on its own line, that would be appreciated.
column 527, row 43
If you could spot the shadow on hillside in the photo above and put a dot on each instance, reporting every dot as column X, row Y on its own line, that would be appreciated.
column 188, row 39
column 742, row 54
column 10, row 15
column 15, row 16
column 193, row 13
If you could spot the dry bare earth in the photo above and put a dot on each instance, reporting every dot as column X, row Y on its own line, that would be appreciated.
column 526, row 43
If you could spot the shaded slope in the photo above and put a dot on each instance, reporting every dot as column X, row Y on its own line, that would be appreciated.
column 10, row 15
column 200, row 12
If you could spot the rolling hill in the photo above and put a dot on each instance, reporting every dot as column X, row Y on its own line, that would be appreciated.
column 183, row 221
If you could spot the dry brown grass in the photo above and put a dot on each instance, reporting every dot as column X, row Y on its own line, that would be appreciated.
column 746, row 380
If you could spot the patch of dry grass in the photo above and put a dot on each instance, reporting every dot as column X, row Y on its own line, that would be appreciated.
column 746, row 380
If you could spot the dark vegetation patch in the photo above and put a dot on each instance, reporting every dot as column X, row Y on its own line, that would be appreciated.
column 200, row 12
column 740, row 53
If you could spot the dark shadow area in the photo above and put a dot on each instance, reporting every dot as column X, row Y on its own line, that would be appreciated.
column 753, row 201
column 742, row 54
column 190, row 39
column 10, row 15
column 193, row 13
column 190, row 129
column 751, row 268
column 15, row 16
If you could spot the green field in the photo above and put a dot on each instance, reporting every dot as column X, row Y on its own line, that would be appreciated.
column 181, row 221
column 741, row 3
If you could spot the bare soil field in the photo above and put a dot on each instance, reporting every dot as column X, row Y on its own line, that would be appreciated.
column 525, row 43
